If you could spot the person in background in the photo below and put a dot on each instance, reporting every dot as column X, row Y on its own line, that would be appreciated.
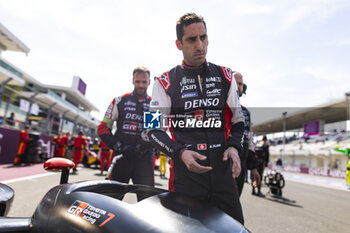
column 79, row 149
column 65, row 143
column 55, row 145
column 59, row 144
column 105, row 159
column 247, row 155
column 23, row 141
column 279, row 165
column 263, row 154
column 11, row 119
column 127, row 111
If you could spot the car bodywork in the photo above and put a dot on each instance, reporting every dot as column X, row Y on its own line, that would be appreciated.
column 94, row 206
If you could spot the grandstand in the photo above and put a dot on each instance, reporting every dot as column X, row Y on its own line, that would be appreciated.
column 306, row 138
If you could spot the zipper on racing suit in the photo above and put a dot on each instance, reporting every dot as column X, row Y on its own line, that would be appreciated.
column 201, row 82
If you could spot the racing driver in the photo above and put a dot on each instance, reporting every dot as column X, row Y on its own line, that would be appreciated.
column 197, row 99
column 127, row 111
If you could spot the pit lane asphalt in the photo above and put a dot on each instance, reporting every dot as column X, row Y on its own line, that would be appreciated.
column 304, row 207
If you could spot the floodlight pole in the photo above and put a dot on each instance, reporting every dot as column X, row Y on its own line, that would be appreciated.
column 347, row 95
column 284, row 132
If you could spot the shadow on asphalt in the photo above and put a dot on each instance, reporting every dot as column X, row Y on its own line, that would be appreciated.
column 99, row 174
column 282, row 200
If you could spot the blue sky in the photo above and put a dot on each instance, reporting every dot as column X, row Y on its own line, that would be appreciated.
column 291, row 53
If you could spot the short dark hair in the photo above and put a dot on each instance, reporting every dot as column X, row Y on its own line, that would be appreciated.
column 186, row 20
column 141, row 69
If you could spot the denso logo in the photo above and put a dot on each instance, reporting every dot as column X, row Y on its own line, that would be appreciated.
column 133, row 116
column 202, row 103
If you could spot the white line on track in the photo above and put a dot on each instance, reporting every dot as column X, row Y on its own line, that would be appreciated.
column 27, row 178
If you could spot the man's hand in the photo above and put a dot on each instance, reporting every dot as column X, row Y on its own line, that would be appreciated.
column 188, row 157
column 256, row 178
column 232, row 153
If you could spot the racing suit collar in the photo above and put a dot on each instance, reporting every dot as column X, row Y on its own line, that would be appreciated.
column 202, row 70
column 184, row 65
column 139, row 98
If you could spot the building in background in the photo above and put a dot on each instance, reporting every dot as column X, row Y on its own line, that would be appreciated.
column 307, row 139
column 46, row 109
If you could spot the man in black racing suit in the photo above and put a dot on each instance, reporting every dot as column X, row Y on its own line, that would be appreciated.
column 198, row 99
column 127, row 110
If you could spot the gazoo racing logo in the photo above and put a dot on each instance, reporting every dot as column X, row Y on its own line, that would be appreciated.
column 77, row 208
column 208, row 102
column 90, row 213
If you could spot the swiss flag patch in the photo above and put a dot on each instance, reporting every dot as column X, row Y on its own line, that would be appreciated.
column 201, row 146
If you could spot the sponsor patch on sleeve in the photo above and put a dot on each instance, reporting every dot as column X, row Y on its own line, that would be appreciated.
column 164, row 80
column 227, row 73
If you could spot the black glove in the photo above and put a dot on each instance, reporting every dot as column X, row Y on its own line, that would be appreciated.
column 117, row 147
column 109, row 139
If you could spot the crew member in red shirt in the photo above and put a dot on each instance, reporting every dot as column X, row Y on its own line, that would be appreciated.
column 65, row 143
column 24, row 138
column 55, row 143
column 105, row 156
column 60, row 144
column 79, row 147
